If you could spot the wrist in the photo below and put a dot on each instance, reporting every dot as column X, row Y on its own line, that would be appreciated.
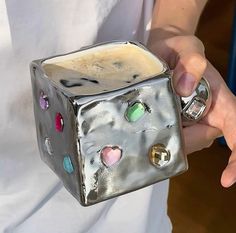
column 171, row 17
column 166, row 32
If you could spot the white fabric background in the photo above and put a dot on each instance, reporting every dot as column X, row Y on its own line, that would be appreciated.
column 32, row 199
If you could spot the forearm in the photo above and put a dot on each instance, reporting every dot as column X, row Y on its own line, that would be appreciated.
column 176, row 17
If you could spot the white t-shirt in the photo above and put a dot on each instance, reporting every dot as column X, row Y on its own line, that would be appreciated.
column 32, row 198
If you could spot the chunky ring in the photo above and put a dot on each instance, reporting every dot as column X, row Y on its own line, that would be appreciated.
column 196, row 106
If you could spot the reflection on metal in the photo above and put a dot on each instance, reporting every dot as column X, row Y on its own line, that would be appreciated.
column 48, row 146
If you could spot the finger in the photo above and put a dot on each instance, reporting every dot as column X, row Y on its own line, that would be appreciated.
column 199, row 136
column 228, row 177
column 188, row 72
column 189, row 64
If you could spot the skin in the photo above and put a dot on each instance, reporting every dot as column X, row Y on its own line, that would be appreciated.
column 172, row 38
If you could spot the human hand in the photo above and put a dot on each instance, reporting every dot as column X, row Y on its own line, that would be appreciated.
column 185, row 55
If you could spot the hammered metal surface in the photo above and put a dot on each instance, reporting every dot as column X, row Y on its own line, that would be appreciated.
column 93, row 122
column 101, row 122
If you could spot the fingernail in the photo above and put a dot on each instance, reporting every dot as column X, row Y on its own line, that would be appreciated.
column 186, row 84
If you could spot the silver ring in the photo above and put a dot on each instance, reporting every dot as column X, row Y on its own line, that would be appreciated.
column 196, row 106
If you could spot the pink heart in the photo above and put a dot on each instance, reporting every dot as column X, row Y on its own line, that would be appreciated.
column 110, row 155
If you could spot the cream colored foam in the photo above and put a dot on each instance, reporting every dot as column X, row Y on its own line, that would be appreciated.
column 113, row 66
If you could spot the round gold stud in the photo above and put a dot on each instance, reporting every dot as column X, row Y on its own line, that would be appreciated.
column 159, row 155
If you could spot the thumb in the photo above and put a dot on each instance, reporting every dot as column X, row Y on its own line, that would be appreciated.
column 190, row 65
column 188, row 72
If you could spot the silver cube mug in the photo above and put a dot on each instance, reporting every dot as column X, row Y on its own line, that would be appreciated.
column 107, row 137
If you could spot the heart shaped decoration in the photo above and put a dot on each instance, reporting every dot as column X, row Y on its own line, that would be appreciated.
column 111, row 155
